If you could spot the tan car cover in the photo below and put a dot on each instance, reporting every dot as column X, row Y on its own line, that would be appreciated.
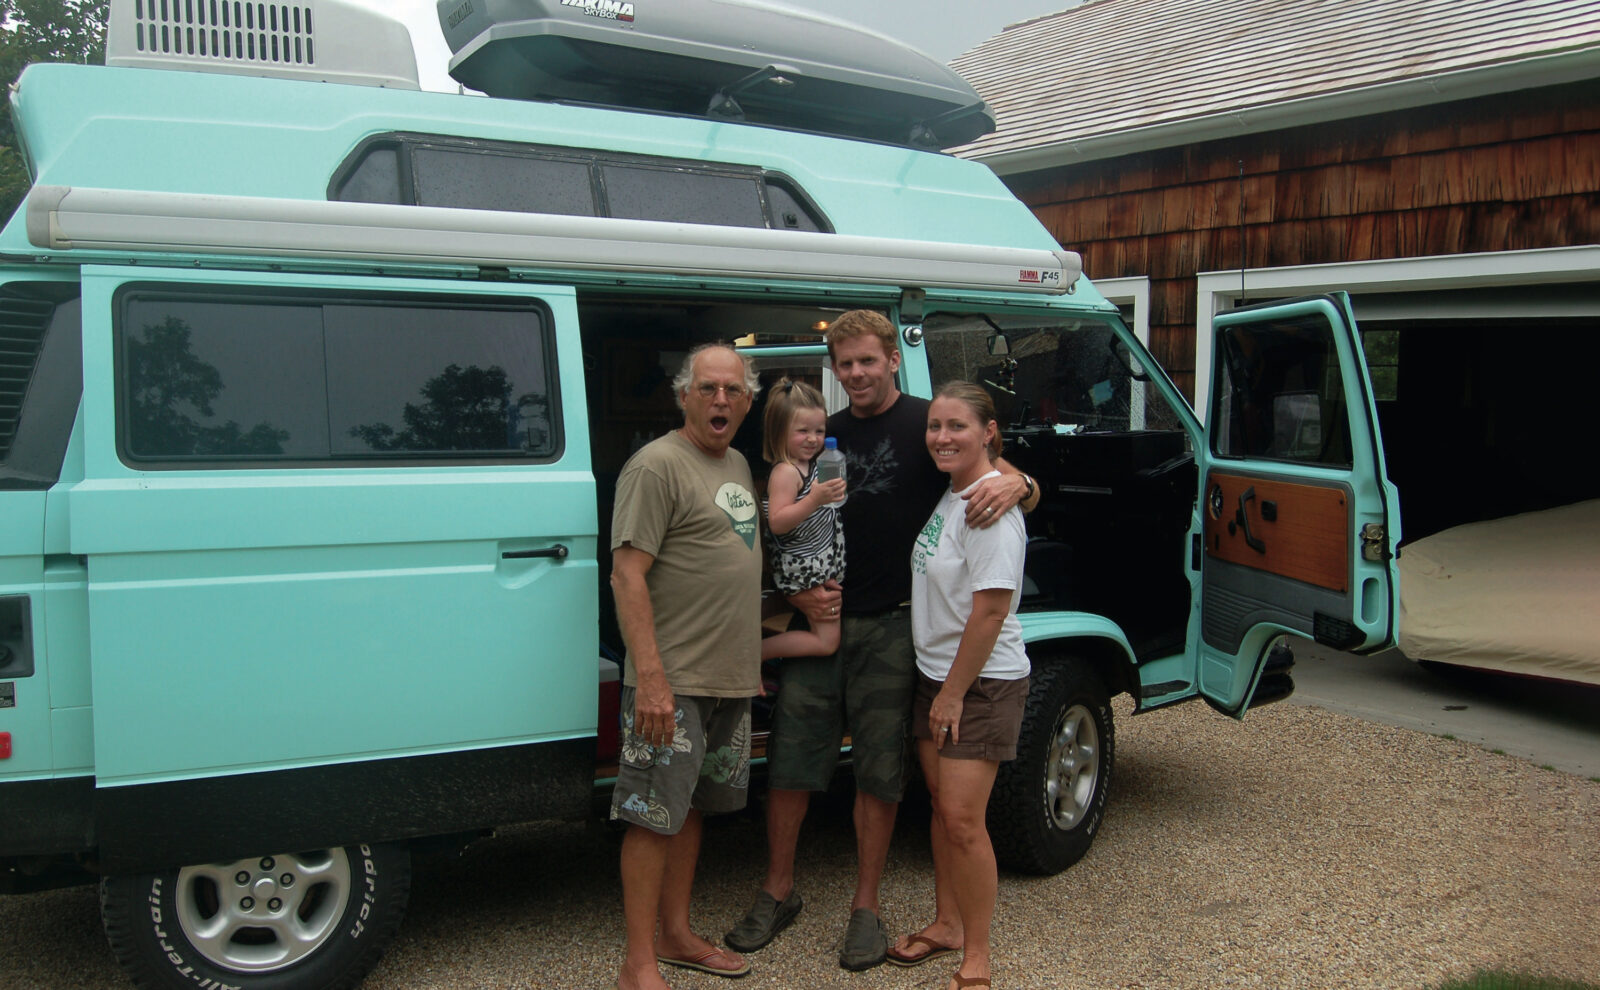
column 1520, row 594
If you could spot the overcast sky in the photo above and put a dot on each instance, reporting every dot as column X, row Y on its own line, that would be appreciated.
column 942, row 28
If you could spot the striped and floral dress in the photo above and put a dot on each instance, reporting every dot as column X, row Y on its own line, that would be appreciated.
column 812, row 552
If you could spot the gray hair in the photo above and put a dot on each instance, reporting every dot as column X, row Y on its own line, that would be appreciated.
column 685, row 375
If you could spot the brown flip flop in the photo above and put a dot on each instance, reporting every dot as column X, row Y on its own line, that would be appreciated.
column 702, row 963
column 935, row 950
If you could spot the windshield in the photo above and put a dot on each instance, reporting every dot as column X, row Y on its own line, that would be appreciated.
column 1069, row 375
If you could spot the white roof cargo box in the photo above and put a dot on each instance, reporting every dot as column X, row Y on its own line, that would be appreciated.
column 734, row 59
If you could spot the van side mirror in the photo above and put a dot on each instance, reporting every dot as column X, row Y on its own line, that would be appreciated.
column 1124, row 355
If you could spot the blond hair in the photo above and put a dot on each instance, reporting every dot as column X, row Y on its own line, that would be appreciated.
column 784, row 400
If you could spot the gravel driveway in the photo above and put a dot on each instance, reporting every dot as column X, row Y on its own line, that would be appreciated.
column 1300, row 848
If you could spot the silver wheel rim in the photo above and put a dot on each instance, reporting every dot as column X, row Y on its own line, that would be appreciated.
column 262, row 914
column 1073, row 768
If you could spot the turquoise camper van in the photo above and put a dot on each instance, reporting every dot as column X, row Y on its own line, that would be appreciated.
column 314, row 389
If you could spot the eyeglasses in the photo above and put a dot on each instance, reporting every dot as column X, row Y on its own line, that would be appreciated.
column 735, row 392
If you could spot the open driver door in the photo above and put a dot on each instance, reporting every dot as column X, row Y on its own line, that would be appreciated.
column 1298, row 519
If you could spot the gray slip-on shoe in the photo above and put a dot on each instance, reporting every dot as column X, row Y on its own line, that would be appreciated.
column 865, row 943
column 762, row 923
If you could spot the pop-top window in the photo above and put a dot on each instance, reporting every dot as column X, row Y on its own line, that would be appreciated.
column 285, row 378
column 424, row 170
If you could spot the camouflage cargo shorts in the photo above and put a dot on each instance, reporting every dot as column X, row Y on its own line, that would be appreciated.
column 866, row 689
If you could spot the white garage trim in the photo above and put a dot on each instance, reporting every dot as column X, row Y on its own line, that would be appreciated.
column 1219, row 291
column 1135, row 292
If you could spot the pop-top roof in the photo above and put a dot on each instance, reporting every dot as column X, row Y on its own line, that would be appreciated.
column 734, row 59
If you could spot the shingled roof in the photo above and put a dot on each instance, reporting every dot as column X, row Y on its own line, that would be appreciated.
column 1114, row 77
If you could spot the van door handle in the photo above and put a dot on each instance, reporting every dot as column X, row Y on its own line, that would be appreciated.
column 1259, row 546
column 558, row 551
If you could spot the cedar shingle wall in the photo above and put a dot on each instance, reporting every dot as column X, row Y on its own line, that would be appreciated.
column 1500, row 173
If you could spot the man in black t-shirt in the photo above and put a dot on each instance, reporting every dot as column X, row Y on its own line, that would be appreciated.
column 866, row 687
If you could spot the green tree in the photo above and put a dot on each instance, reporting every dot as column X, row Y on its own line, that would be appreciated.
column 41, row 31
column 466, row 409
column 167, row 383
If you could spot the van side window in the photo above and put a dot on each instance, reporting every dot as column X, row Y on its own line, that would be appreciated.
column 1280, row 395
column 22, row 325
column 278, row 377
column 435, row 170
column 41, row 380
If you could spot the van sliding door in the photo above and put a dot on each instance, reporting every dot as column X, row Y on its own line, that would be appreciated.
column 340, row 536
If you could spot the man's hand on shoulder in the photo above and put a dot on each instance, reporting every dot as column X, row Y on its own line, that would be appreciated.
column 994, row 497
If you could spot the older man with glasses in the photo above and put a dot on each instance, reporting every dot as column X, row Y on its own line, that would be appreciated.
column 686, row 572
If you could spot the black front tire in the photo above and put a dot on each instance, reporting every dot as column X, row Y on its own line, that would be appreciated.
column 1048, row 803
column 314, row 920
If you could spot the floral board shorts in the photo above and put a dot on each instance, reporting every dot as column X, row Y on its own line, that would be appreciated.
column 705, row 766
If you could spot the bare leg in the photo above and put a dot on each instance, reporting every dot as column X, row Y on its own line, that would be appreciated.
column 786, row 810
column 964, row 787
column 874, row 821
column 677, row 884
column 820, row 640
column 644, row 862
column 677, row 940
column 945, row 928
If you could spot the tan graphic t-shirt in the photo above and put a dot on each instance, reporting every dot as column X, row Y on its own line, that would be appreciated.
column 696, row 514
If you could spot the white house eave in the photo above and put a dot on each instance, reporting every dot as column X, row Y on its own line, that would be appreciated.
column 1549, row 70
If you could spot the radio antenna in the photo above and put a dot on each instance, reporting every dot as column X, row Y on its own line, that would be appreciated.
column 1241, row 232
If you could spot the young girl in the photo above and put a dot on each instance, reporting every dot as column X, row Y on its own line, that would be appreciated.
column 803, row 528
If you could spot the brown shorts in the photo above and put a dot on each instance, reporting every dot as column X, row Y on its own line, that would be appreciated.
column 991, row 718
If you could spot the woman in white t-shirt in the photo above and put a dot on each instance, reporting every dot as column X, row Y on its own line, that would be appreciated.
column 972, row 683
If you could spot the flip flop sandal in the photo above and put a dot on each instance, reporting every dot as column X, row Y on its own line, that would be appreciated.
column 699, row 963
column 934, row 951
column 963, row 982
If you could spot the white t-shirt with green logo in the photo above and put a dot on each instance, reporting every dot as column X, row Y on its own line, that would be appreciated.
column 697, row 515
column 948, row 563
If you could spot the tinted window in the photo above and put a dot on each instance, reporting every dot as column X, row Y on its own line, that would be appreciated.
column 375, row 179
column 788, row 212
column 293, row 379
column 433, row 170
column 41, row 380
column 1280, row 395
column 513, row 183
column 684, row 197
column 22, row 326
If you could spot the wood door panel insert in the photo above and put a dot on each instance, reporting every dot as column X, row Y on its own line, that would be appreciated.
column 1299, row 531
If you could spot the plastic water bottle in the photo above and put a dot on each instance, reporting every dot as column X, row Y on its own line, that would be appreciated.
column 830, row 465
